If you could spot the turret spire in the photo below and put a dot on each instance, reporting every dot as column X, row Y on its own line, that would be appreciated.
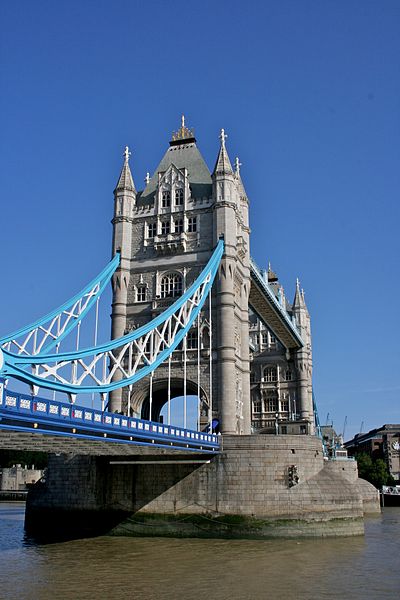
column 298, row 301
column 223, row 165
column 125, row 181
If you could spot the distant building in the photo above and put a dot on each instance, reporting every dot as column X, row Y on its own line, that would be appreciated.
column 16, row 478
column 383, row 442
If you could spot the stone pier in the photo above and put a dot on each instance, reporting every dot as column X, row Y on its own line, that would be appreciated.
column 258, row 487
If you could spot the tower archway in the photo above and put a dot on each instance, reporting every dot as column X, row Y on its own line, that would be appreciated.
column 140, row 402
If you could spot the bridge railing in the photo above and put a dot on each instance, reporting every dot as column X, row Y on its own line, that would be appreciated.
column 30, row 413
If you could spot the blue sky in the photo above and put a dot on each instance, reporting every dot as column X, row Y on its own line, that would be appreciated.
column 309, row 94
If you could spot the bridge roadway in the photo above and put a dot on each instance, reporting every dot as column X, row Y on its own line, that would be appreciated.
column 53, row 444
column 77, row 426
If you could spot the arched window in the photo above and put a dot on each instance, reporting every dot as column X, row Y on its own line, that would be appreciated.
column 271, row 374
column 191, row 340
column 166, row 199
column 171, row 285
column 179, row 197
column 179, row 226
column 141, row 293
column 288, row 375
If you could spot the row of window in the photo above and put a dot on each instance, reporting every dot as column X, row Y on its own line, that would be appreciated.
column 271, row 403
column 178, row 227
column 166, row 198
column 272, row 375
column 171, row 286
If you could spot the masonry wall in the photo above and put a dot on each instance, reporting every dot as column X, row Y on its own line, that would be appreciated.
column 243, row 492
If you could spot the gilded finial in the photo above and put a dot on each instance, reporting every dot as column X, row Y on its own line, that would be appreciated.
column 183, row 132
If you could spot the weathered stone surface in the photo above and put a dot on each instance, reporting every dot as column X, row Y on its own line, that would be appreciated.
column 247, row 483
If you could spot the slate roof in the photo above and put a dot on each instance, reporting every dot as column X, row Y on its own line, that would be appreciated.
column 185, row 155
column 125, row 181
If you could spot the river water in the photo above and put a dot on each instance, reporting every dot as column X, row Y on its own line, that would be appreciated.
column 108, row 568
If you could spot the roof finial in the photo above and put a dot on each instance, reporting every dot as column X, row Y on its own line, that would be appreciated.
column 238, row 164
column 269, row 266
column 222, row 137
column 183, row 121
column 127, row 153
column 147, row 178
column 298, row 283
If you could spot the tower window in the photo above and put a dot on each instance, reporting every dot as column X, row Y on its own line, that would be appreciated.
column 271, row 401
column 179, row 226
column 151, row 230
column 171, row 285
column 192, row 224
column 166, row 199
column 288, row 375
column 165, row 227
column 191, row 340
column 141, row 293
column 271, row 374
column 285, row 402
column 179, row 197
column 256, row 406
column 264, row 337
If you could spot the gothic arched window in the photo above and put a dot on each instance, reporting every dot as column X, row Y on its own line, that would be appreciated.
column 191, row 340
column 288, row 375
column 166, row 198
column 171, row 285
column 271, row 374
column 179, row 197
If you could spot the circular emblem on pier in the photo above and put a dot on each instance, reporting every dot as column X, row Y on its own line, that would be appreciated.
column 396, row 445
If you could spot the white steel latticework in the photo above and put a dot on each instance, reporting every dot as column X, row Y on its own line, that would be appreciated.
column 47, row 333
column 121, row 362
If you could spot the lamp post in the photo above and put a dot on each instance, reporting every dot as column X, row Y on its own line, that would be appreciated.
column 276, row 423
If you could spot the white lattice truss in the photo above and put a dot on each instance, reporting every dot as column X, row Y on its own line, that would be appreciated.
column 45, row 334
column 37, row 339
column 102, row 369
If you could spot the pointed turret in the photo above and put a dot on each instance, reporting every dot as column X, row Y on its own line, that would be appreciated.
column 298, row 300
column 125, row 181
column 223, row 164
column 303, row 357
column 124, row 203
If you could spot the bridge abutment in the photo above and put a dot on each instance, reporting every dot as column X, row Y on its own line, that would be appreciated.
column 258, row 486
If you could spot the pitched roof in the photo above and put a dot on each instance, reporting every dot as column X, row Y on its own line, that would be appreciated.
column 125, row 181
column 184, row 155
column 223, row 164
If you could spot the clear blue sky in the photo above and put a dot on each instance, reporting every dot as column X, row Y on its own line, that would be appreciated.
column 309, row 94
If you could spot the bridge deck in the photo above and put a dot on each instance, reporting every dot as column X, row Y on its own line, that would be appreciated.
column 40, row 416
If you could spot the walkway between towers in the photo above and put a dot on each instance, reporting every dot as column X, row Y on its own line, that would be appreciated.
column 33, row 355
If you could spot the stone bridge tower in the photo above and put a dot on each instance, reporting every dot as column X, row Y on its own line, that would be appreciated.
column 166, row 234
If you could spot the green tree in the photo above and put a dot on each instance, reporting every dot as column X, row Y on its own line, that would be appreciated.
column 373, row 470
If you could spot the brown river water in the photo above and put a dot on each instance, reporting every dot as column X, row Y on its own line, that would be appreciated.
column 158, row 568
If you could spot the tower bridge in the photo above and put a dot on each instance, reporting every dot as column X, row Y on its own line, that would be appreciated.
column 192, row 316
